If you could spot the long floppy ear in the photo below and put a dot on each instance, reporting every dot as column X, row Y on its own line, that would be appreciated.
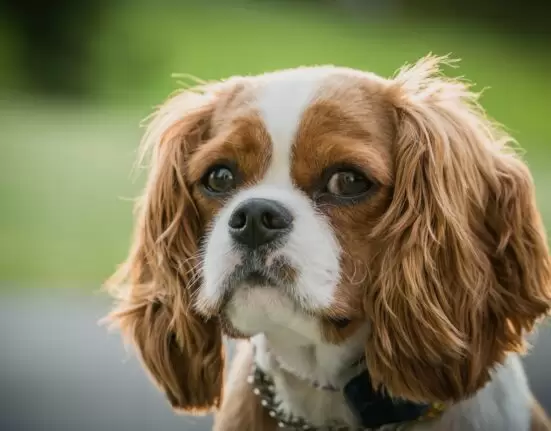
column 182, row 351
column 464, row 270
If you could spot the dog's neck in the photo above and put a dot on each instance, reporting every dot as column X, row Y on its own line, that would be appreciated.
column 293, row 337
column 311, row 358
column 295, row 341
column 300, row 361
column 297, row 396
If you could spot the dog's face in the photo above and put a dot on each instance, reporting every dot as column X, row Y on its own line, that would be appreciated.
column 297, row 171
column 342, row 197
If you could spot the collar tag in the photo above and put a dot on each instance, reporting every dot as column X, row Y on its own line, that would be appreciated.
column 374, row 408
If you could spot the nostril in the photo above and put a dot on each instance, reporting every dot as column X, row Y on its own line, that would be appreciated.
column 238, row 220
column 267, row 220
column 273, row 220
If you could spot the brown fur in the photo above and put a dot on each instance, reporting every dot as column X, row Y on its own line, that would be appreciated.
column 181, row 350
column 447, row 259
column 241, row 410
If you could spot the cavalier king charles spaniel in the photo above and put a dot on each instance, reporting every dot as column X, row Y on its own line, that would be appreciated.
column 373, row 244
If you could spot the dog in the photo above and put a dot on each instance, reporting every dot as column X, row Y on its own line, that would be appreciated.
column 372, row 243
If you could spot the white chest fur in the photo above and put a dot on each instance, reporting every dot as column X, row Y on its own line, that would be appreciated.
column 294, row 364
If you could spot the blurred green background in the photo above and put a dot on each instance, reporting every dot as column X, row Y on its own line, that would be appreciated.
column 77, row 78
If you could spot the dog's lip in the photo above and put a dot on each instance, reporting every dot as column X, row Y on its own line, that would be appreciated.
column 257, row 277
column 255, row 271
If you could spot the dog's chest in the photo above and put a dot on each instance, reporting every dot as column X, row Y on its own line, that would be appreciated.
column 297, row 368
column 317, row 407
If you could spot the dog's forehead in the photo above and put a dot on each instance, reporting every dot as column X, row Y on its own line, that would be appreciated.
column 281, row 102
column 289, row 105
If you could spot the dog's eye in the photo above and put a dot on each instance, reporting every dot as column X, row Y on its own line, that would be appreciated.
column 348, row 184
column 219, row 179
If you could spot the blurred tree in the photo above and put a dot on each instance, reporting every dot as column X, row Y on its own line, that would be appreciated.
column 527, row 18
column 53, row 36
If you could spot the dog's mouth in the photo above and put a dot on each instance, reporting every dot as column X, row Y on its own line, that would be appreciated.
column 257, row 278
column 255, row 271
column 277, row 278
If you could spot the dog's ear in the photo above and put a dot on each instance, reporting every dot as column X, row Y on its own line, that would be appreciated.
column 463, row 268
column 182, row 351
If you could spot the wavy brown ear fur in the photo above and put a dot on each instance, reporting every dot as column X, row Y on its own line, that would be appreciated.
column 464, row 268
column 181, row 350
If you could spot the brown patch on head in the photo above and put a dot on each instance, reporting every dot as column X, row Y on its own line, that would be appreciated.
column 155, row 287
column 348, row 124
column 244, row 144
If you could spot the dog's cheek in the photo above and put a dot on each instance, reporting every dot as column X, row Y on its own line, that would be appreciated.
column 352, row 226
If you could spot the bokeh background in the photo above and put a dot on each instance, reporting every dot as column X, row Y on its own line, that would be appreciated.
column 76, row 79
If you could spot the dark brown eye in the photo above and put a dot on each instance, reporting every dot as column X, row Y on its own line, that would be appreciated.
column 219, row 180
column 348, row 184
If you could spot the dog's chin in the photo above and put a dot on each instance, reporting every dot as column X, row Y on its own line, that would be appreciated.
column 256, row 305
column 258, row 291
column 263, row 289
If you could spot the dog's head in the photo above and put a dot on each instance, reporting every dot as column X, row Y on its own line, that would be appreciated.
column 339, row 195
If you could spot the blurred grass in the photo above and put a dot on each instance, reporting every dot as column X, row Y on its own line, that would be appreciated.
column 64, row 190
column 65, row 167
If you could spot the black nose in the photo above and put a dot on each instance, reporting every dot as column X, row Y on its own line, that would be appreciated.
column 259, row 221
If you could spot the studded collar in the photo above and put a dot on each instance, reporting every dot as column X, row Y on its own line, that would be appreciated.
column 373, row 408
column 264, row 388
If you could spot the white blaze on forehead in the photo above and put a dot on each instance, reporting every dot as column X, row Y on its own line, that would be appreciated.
column 281, row 102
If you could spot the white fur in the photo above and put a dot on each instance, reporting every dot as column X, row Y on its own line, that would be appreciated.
column 294, row 361
column 503, row 404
